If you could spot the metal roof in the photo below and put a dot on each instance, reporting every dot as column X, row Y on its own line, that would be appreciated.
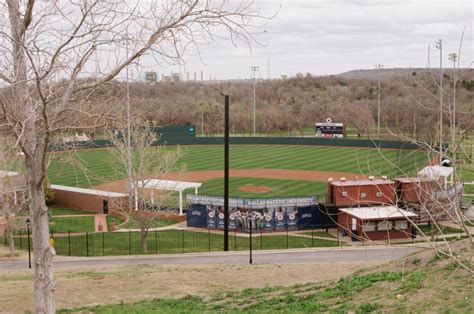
column 167, row 185
column 87, row 191
column 378, row 212
column 361, row 182
column 412, row 180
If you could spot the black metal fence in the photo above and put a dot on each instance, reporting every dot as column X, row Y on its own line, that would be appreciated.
column 180, row 241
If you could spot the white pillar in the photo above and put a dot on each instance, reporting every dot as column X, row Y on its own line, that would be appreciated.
column 195, row 190
column 180, row 203
column 136, row 196
column 152, row 198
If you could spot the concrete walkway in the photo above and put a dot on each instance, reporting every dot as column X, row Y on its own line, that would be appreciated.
column 100, row 221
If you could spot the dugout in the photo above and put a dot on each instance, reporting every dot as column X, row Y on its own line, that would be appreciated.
column 376, row 223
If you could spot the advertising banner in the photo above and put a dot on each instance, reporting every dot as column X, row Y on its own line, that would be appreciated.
column 292, row 218
column 280, row 219
column 211, row 216
column 197, row 216
column 268, row 219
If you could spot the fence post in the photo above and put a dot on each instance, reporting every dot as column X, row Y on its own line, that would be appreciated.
column 287, row 246
column 87, row 243
column 209, row 238
column 5, row 237
column 261, row 239
column 103, row 244
column 69, row 242
column 312, row 236
column 182, row 238
column 156, row 241
column 21, row 244
column 235, row 240
column 130, row 242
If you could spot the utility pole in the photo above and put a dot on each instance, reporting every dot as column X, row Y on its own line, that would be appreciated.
column 378, row 67
column 453, row 57
column 439, row 45
column 129, row 137
column 254, row 69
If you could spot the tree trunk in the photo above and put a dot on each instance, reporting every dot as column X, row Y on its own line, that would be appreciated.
column 43, row 252
column 9, row 225
column 143, row 242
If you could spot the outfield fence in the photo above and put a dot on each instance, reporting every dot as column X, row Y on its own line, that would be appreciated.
column 186, row 140
column 181, row 241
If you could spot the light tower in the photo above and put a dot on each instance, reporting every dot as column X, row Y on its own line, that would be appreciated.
column 439, row 45
column 453, row 57
column 379, row 67
column 254, row 69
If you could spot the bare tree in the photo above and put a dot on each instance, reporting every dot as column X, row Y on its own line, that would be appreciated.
column 150, row 160
column 12, row 188
column 57, row 53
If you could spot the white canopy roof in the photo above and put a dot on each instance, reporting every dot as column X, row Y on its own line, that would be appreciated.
column 435, row 172
column 4, row 173
column 378, row 212
column 87, row 191
column 167, row 185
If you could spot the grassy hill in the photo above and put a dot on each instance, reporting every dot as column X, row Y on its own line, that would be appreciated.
column 421, row 283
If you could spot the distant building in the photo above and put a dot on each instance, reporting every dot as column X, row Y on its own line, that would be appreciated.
column 151, row 77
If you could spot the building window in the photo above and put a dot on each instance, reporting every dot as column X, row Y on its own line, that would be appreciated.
column 378, row 194
column 384, row 225
column 344, row 194
column 369, row 226
column 363, row 195
column 401, row 224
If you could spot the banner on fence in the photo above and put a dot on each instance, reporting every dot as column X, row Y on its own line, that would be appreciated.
column 251, row 203
column 304, row 212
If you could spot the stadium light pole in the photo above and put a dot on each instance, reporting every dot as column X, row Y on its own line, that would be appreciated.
column 226, row 173
column 453, row 57
column 379, row 67
column 254, row 69
column 439, row 45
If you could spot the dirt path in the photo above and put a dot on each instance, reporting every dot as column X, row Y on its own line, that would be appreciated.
column 202, row 176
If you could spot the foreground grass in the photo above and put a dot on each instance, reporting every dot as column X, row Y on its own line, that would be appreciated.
column 72, row 224
column 174, row 241
column 57, row 211
column 416, row 289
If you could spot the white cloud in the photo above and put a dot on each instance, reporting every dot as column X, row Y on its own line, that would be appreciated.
column 332, row 36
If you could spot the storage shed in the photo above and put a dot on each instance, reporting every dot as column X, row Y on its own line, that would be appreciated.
column 361, row 192
column 376, row 223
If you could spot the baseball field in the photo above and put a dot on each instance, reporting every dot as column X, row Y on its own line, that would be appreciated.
column 256, row 170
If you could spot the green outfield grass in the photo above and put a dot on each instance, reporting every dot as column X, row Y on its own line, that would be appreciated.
column 92, row 167
column 280, row 188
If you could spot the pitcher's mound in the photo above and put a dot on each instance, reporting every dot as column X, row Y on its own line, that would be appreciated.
column 255, row 189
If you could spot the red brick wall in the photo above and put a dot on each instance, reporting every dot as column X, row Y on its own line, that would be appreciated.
column 88, row 202
column 354, row 195
column 392, row 234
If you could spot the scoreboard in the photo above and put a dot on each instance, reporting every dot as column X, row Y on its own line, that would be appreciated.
column 329, row 129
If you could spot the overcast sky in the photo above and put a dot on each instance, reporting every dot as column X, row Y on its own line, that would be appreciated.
column 334, row 36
